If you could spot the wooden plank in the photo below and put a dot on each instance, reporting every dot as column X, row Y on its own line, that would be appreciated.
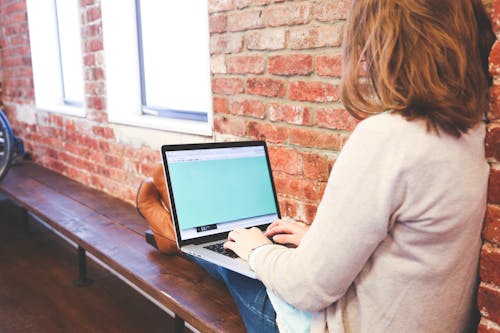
column 117, row 210
column 96, row 222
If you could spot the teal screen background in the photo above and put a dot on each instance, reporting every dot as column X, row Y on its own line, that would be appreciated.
column 218, row 191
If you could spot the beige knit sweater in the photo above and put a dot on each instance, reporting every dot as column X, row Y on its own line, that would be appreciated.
column 395, row 243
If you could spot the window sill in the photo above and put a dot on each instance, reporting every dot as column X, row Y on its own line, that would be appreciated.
column 164, row 124
column 63, row 109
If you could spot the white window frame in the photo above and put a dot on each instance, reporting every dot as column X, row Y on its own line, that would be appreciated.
column 46, row 61
column 123, row 82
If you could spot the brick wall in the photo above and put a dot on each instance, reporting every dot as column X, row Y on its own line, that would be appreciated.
column 489, row 290
column 275, row 73
column 276, row 68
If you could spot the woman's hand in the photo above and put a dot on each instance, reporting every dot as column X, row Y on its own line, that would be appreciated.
column 243, row 241
column 287, row 231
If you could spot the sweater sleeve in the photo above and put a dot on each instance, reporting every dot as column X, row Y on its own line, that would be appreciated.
column 364, row 190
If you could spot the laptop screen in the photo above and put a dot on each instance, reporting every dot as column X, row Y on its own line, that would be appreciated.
column 215, row 187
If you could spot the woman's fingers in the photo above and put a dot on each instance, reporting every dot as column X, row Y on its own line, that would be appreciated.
column 283, row 232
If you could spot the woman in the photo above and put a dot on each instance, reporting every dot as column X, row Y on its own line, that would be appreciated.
column 395, row 243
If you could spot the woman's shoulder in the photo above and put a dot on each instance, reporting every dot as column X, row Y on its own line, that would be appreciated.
column 416, row 141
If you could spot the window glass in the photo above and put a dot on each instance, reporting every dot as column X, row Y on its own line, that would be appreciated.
column 55, row 42
column 68, row 25
column 175, row 61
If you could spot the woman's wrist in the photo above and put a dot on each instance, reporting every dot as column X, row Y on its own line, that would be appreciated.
column 252, row 254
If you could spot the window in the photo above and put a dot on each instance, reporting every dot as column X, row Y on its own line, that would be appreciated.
column 54, row 27
column 68, row 29
column 158, row 64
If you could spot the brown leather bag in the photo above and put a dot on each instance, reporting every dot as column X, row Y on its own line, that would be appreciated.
column 153, row 204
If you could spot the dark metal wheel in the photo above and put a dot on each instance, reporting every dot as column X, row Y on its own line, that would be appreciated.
column 6, row 145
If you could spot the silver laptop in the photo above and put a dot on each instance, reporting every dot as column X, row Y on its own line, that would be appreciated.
column 215, row 187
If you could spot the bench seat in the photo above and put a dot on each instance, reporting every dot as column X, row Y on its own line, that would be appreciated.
column 113, row 232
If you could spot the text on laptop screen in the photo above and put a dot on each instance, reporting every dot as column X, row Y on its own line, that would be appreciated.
column 217, row 189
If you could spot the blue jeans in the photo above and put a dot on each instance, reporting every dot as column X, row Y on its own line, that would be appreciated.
column 250, row 296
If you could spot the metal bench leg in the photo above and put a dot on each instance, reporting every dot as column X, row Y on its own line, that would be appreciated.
column 82, row 280
column 178, row 324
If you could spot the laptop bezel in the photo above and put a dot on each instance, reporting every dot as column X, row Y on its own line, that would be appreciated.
column 210, row 145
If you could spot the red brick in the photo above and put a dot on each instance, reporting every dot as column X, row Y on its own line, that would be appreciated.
column 218, row 64
column 330, row 10
column 489, row 302
column 220, row 44
column 76, row 149
column 18, row 6
column 84, row 3
column 92, row 31
column 490, row 264
column 219, row 5
column 316, row 166
column 95, row 74
column 114, row 161
column 96, row 103
column 293, row 64
column 495, row 59
column 218, row 23
column 150, row 156
column 299, row 188
column 486, row 326
column 493, row 142
column 290, row 14
column 310, row 211
column 265, row 87
column 316, row 139
column 89, row 59
column 246, row 64
column 494, row 186
column 293, row 114
column 77, row 174
column 311, row 38
column 80, row 162
column 313, row 92
column 288, row 207
column 95, row 88
column 54, row 164
column 267, row 132
column 248, row 107
column 103, row 132
column 491, row 230
column 227, row 86
column 56, row 120
column 327, row 65
column 146, row 169
column 265, row 39
column 94, row 45
column 284, row 160
column 93, row 14
column 494, row 112
column 233, row 126
column 336, row 119
column 245, row 20
column 246, row 3
column 495, row 16
column 220, row 105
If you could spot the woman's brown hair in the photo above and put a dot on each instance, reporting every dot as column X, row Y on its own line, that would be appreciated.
column 425, row 59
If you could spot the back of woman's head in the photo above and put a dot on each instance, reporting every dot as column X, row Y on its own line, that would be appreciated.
column 426, row 59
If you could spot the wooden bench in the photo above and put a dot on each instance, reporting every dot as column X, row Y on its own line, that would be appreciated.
column 113, row 233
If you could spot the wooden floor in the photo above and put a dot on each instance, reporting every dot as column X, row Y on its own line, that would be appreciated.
column 37, row 294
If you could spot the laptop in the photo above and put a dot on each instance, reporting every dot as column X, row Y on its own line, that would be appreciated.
column 215, row 187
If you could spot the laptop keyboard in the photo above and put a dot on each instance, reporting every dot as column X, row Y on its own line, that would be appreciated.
column 219, row 248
